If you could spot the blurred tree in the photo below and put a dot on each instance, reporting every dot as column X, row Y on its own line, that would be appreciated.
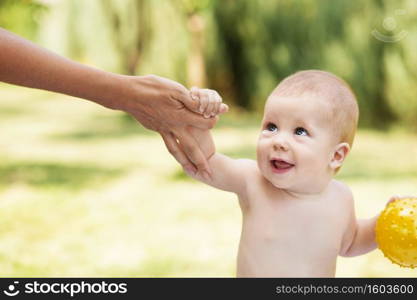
column 244, row 48
column 267, row 41
column 240, row 31
column 399, row 25
column 369, row 78
column 130, row 30
column 21, row 16
column 193, row 10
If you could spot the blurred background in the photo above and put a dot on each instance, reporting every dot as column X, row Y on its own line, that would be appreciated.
column 85, row 191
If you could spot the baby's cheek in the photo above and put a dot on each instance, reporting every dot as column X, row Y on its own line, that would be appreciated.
column 261, row 148
column 263, row 139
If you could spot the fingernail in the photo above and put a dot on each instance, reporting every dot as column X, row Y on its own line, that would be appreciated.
column 206, row 116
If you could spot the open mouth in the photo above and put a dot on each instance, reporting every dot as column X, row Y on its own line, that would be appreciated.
column 280, row 165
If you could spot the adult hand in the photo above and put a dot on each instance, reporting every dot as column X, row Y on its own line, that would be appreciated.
column 166, row 106
column 159, row 104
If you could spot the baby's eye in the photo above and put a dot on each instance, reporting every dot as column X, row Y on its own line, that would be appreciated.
column 301, row 131
column 271, row 127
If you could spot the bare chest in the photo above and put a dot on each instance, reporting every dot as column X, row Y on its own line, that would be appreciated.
column 283, row 221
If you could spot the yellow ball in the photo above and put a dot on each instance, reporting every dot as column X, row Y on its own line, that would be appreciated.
column 396, row 232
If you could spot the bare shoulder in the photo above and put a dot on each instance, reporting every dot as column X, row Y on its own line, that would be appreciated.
column 346, row 215
column 252, row 176
column 343, row 194
column 249, row 166
column 247, row 163
column 342, row 189
column 251, row 169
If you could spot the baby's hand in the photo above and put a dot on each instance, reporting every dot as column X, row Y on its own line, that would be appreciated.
column 209, row 102
column 396, row 197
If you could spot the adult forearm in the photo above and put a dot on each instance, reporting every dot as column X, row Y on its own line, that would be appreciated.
column 157, row 103
column 26, row 64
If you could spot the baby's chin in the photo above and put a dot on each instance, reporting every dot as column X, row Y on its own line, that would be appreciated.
column 279, row 184
column 291, row 186
column 302, row 189
column 282, row 186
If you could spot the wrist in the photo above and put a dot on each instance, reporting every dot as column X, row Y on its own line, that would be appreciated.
column 117, row 92
column 107, row 89
column 133, row 91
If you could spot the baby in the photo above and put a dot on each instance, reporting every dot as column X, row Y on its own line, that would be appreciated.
column 296, row 218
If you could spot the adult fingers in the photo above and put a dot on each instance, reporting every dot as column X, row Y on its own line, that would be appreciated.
column 176, row 151
column 189, row 118
column 185, row 97
column 193, row 152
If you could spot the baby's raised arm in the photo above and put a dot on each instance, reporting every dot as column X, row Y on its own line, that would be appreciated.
column 226, row 173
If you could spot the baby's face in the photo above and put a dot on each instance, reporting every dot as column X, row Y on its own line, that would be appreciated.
column 296, row 143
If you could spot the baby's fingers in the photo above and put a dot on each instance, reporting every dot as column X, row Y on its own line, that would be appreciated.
column 396, row 197
column 201, row 97
column 209, row 102
column 194, row 94
column 218, row 101
column 392, row 199
column 211, row 108
column 204, row 101
column 215, row 106
column 224, row 108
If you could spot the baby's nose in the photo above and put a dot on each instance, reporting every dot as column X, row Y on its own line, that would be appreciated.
column 280, row 144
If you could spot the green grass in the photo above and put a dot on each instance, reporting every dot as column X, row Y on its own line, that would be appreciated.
column 54, row 175
column 86, row 192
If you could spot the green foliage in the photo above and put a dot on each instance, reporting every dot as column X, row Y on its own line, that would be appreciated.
column 248, row 45
column 267, row 41
column 21, row 16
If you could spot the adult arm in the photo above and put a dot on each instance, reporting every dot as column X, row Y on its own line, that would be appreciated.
column 157, row 103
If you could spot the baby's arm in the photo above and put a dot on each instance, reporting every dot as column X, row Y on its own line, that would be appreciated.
column 360, row 239
column 226, row 173
column 360, row 235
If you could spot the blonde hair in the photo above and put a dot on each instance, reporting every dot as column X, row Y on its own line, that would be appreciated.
column 344, row 111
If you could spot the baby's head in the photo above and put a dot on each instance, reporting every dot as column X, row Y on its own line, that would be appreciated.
column 308, row 128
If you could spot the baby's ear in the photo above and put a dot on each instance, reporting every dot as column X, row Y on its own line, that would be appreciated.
column 339, row 154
